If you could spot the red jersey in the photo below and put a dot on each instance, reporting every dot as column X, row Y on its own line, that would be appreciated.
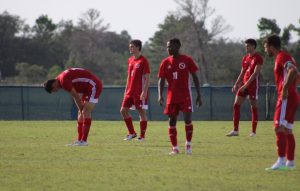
column 177, row 72
column 137, row 68
column 282, row 60
column 82, row 80
column 249, row 63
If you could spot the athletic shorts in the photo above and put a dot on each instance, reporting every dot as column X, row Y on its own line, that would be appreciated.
column 285, row 112
column 251, row 91
column 93, row 93
column 174, row 108
column 134, row 102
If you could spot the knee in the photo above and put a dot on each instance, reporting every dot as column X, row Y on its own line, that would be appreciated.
column 172, row 121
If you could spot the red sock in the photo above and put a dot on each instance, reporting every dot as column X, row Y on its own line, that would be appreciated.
column 79, row 130
column 173, row 135
column 129, row 125
column 254, row 118
column 236, row 116
column 290, row 146
column 86, row 128
column 143, row 127
column 281, row 143
column 189, row 132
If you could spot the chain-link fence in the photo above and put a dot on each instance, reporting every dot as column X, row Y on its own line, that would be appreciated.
column 33, row 103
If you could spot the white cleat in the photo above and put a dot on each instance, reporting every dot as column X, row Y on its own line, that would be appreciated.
column 188, row 149
column 278, row 165
column 290, row 164
column 232, row 133
column 129, row 137
column 252, row 134
column 174, row 152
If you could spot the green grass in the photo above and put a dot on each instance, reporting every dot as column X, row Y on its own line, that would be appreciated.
column 33, row 157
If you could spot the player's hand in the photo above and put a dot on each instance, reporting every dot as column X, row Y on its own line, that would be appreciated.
column 198, row 101
column 234, row 88
column 161, row 100
column 143, row 96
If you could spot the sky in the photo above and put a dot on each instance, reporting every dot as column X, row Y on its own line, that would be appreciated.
column 142, row 17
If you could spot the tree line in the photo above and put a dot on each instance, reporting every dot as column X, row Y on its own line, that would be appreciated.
column 32, row 54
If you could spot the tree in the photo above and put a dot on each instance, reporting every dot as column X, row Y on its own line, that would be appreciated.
column 196, row 14
column 54, row 71
column 44, row 28
column 10, row 26
column 30, row 74
column 91, row 20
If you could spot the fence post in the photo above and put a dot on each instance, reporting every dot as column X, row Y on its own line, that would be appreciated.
column 22, row 102
column 267, row 102
column 210, row 103
column 149, row 105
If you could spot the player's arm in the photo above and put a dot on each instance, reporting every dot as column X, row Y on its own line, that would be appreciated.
column 239, row 80
column 126, row 84
column 77, row 99
column 197, row 86
column 256, row 72
column 292, row 74
column 145, row 88
column 161, row 85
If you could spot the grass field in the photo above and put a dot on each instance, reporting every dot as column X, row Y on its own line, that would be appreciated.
column 33, row 156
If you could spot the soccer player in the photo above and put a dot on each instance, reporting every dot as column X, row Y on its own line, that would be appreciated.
column 176, row 69
column 285, row 73
column 136, row 91
column 247, row 85
column 85, row 88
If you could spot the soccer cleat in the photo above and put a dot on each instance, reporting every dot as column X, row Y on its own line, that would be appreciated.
column 83, row 143
column 252, row 134
column 233, row 133
column 278, row 165
column 129, row 137
column 174, row 152
column 188, row 149
column 290, row 165
column 140, row 139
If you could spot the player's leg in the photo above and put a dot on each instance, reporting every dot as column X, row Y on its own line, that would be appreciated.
column 87, row 120
column 290, row 148
column 188, row 131
column 254, row 115
column 173, row 134
column 239, row 99
column 143, row 123
column 79, row 126
column 279, row 127
column 291, row 110
column 126, row 104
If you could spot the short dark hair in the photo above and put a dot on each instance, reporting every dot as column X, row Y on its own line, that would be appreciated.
column 273, row 40
column 252, row 42
column 48, row 85
column 136, row 43
column 175, row 41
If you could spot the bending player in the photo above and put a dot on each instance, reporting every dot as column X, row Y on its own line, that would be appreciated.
column 85, row 88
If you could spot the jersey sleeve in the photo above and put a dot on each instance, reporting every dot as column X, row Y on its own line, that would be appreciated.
column 146, row 67
column 259, row 60
column 161, row 72
column 193, row 67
